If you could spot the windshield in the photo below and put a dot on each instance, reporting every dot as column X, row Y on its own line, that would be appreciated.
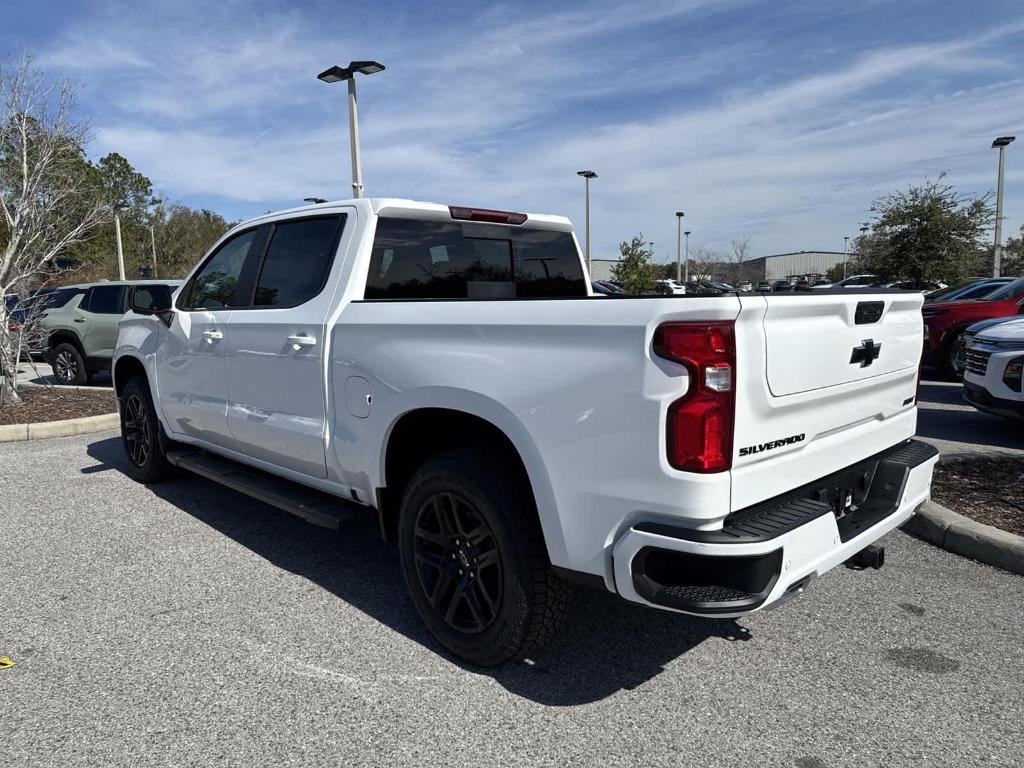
column 1008, row 291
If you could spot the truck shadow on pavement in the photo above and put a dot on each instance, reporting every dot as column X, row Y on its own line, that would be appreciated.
column 607, row 645
column 943, row 415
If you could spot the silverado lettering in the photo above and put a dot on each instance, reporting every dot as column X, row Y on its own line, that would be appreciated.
column 750, row 450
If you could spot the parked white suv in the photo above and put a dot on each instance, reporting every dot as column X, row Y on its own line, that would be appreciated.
column 447, row 370
column 993, row 366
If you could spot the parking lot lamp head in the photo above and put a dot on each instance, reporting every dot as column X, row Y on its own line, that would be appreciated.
column 314, row 200
column 337, row 74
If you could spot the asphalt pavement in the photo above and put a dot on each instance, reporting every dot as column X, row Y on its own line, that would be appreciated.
column 184, row 624
column 958, row 429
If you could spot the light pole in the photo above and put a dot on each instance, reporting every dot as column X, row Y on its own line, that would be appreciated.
column 336, row 75
column 152, row 245
column 687, row 275
column 587, row 176
column 679, row 229
column 846, row 250
column 1001, row 143
column 120, row 249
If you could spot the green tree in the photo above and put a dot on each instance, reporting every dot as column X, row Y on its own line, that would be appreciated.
column 924, row 233
column 183, row 235
column 1012, row 262
column 634, row 268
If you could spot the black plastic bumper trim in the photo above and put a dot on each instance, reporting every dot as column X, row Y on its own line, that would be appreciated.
column 984, row 400
column 703, row 584
column 875, row 486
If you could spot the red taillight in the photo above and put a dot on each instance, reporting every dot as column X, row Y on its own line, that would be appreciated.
column 700, row 423
column 486, row 214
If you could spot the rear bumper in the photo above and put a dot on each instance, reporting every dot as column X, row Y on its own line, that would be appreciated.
column 767, row 553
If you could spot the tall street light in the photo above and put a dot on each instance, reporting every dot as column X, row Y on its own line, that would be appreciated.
column 1002, row 143
column 336, row 75
column 846, row 251
column 587, row 176
column 686, row 234
column 679, row 245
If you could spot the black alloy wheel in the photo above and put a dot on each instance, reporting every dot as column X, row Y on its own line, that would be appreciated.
column 458, row 562
column 138, row 432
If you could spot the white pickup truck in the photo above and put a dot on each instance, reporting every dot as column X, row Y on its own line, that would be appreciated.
column 448, row 370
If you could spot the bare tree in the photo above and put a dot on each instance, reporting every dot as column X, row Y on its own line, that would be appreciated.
column 48, row 201
column 705, row 263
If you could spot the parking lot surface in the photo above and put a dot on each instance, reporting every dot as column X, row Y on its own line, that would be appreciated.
column 184, row 624
column 958, row 429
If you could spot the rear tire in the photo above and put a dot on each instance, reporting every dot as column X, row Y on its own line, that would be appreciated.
column 474, row 560
column 68, row 365
column 141, row 434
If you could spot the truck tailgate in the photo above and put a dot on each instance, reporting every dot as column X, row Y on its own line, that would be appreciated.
column 823, row 381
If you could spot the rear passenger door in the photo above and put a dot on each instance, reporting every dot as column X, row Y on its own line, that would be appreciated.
column 97, row 316
column 275, row 346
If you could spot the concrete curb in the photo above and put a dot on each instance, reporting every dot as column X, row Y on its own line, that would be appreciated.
column 958, row 534
column 64, row 428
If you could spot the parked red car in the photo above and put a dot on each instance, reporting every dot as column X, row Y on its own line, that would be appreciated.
column 945, row 322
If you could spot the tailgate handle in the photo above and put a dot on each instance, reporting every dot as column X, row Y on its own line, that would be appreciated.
column 868, row 312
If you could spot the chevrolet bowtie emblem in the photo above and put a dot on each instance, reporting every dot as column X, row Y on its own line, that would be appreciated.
column 866, row 353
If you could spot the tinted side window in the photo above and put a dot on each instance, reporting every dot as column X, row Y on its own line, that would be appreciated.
column 297, row 261
column 105, row 300
column 214, row 286
column 59, row 298
column 436, row 260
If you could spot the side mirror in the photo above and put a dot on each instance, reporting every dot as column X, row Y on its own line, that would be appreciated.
column 152, row 300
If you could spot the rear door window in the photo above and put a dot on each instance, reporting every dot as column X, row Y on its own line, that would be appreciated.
column 297, row 261
column 421, row 259
column 104, row 300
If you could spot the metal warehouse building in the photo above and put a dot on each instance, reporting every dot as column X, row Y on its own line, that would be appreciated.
column 601, row 269
column 783, row 265
column 777, row 267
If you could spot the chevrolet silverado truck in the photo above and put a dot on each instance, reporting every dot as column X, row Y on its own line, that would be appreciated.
column 448, row 370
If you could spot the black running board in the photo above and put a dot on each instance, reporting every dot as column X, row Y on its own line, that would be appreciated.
column 311, row 505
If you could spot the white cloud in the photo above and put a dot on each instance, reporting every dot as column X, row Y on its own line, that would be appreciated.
column 502, row 108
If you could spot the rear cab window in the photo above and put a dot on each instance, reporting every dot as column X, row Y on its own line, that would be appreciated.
column 433, row 259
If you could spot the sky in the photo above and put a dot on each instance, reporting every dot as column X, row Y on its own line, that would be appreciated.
column 778, row 121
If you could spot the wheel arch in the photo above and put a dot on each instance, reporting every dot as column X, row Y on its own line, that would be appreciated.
column 65, row 336
column 124, row 369
column 419, row 434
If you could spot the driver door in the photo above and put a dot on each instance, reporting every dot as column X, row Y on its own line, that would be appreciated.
column 190, row 362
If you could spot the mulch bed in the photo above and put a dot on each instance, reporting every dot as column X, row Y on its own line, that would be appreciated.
column 49, row 404
column 986, row 490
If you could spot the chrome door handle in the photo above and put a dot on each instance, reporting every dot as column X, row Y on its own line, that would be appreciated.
column 212, row 336
column 300, row 341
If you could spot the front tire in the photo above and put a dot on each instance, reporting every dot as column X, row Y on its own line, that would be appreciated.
column 141, row 434
column 68, row 365
column 474, row 560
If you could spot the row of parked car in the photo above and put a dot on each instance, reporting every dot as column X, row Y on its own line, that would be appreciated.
column 74, row 327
